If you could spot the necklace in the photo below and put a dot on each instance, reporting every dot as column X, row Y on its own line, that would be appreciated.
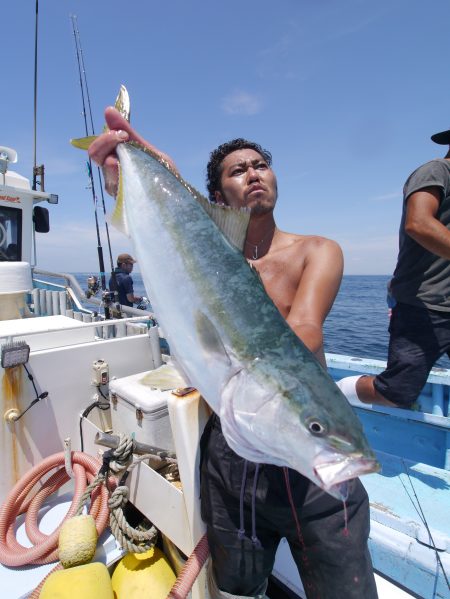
column 256, row 246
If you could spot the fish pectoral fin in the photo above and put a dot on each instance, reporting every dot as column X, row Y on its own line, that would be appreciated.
column 232, row 222
column 83, row 143
column 210, row 338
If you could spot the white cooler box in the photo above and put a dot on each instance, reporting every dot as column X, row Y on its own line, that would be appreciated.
column 139, row 409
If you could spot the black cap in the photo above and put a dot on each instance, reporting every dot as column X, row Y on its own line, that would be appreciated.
column 442, row 138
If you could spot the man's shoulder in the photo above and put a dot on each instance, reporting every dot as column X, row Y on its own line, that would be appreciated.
column 436, row 165
column 306, row 248
column 434, row 173
column 440, row 161
column 311, row 242
column 123, row 278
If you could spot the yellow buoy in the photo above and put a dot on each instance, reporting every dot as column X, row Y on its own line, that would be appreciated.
column 77, row 541
column 90, row 581
column 143, row 576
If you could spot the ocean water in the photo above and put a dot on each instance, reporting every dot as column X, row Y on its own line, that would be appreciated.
column 357, row 324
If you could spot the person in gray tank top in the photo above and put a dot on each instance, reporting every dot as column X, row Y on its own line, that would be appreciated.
column 419, row 290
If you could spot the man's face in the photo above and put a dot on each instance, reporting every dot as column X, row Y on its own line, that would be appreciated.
column 127, row 266
column 247, row 181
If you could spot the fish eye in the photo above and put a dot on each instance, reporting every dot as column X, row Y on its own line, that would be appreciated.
column 316, row 428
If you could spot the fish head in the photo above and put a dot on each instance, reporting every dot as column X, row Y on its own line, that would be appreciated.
column 310, row 428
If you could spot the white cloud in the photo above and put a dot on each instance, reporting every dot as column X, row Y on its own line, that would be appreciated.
column 241, row 103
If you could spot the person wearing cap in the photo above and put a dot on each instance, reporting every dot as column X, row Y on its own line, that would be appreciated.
column 420, row 289
column 122, row 282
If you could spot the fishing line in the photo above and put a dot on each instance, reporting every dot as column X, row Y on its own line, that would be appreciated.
column 91, row 178
column 421, row 515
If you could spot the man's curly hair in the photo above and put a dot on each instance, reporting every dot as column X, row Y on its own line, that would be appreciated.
column 214, row 170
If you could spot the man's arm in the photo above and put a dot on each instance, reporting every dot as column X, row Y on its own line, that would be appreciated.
column 316, row 293
column 422, row 225
column 134, row 299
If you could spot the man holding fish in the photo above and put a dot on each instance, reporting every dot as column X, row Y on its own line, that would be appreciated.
column 285, row 463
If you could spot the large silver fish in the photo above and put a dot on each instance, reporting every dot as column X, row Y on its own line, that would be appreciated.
column 276, row 403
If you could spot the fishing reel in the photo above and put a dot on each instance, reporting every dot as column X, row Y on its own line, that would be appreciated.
column 144, row 303
column 93, row 286
column 110, row 301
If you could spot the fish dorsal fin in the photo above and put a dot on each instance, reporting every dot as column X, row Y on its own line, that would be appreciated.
column 232, row 222
column 210, row 338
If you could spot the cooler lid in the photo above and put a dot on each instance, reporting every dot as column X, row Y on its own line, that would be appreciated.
column 148, row 390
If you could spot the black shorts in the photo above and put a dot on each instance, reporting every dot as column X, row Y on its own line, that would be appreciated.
column 418, row 338
column 332, row 555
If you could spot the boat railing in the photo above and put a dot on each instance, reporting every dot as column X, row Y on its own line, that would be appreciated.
column 104, row 329
column 104, row 324
column 81, row 302
column 70, row 280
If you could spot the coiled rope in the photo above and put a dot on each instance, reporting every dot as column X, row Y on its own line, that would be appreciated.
column 134, row 540
column 120, row 460
column 128, row 537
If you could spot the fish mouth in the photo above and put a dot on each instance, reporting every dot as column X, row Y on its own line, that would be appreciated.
column 334, row 473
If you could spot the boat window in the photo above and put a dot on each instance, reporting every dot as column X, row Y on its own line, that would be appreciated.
column 10, row 234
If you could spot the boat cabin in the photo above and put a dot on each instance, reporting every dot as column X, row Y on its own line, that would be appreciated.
column 21, row 215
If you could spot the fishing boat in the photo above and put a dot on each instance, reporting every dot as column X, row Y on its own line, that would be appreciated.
column 78, row 377
column 72, row 379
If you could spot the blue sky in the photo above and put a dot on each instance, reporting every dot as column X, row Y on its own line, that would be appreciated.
column 344, row 93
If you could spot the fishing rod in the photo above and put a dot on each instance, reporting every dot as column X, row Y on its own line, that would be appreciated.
column 91, row 179
column 38, row 171
column 100, row 181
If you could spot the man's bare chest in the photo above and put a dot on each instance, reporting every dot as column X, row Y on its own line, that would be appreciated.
column 281, row 280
